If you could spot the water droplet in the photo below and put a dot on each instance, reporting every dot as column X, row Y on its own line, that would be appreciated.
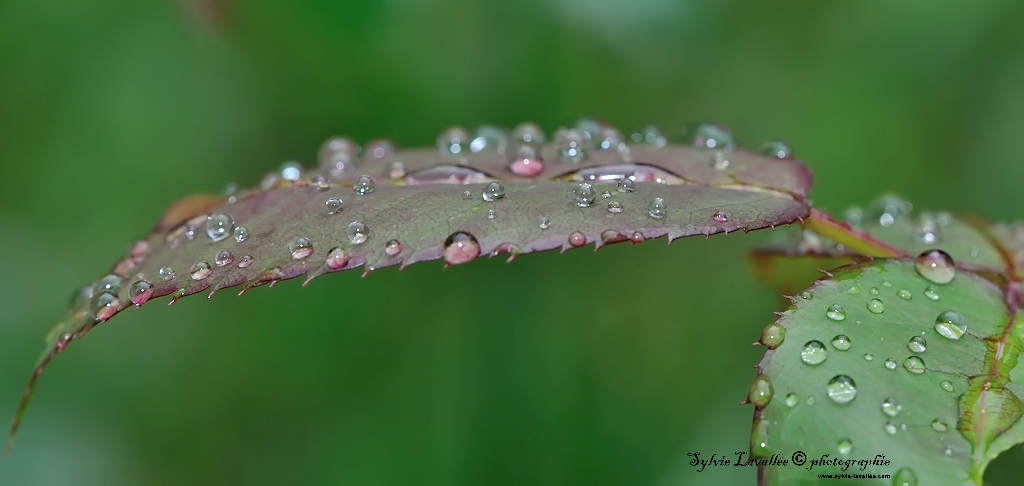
column 104, row 305
column 614, row 207
column 890, row 364
column 166, row 273
column 529, row 133
column 392, row 248
column 938, row 425
column 948, row 451
column 649, row 135
column 777, row 149
column 219, row 226
column 608, row 138
column 467, row 195
column 319, row 183
column 290, row 171
column 337, row 258
column 240, row 233
column 806, row 295
column 200, row 271
column 636, row 237
column 917, row 344
column 841, row 389
column 577, row 239
column 707, row 135
column 792, row 400
column 836, row 312
column 453, row 140
column 868, row 356
column 223, row 258
column 657, row 208
column 300, row 248
column 460, row 247
column 844, row 446
column 887, row 284
column 904, row 477
column 489, row 138
column 760, row 392
column 891, row 407
column 873, row 291
column 526, row 161
column 904, row 294
column 719, row 161
column 936, row 266
column 841, row 342
column 245, row 261
column 379, row 149
column 491, row 214
column 773, row 335
column 813, row 353
column 759, row 437
column 140, row 291
column 493, row 191
column 545, row 223
column 571, row 145
column 335, row 205
column 930, row 292
column 853, row 290
column 947, row 386
column 396, row 170
column 626, row 184
column 584, row 195
column 951, row 324
column 605, row 194
column 811, row 400
column 876, row 306
column 357, row 233
column 914, row 365
column 336, row 146
column 108, row 283
column 890, row 428
column 364, row 185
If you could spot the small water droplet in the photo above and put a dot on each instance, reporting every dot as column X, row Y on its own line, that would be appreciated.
column 707, row 135
column 392, row 248
column 489, row 137
column 396, row 170
column 951, row 324
column 773, row 335
column 319, row 183
column 760, row 392
column 140, row 291
column 614, row 207
column 526, row 161
column 938, row 425
column 904, row 294
column 841, row 342
column 577, row 239
column 545, row 223
column 337, row 258
column 947, row 386
column 528, row 132
column 657, row 208
column 935, row 266
column 887, row 284
column 335, row 205
column 104, row 305
column 811, row 400
column 890, row 364
column 493, row 191
column 914, row 365
column 491, row 214
column 813, row 353
column 844, row 446
column 223, row 258
column 777, row 149
column 357, row 232
column 245, row 261
column 719, row 161
column 200, row 271
column 649, row 135
column 636, row 237
column 868, row 356
column 460, row 247
column 873, row 291
column 219, row 226
column 917, row 344
column 605, row 194
column 792, row 400
column 300, row 248
column 290, row 171
column 931, row 293
column 841, row 389
column 626, row 184
column 806, row 295
column 467, row 195
column 904, row 477
column 571, row 145
column 890, row 428
column 876, row 306
column 108, row 283
column 720, row 217
column 584, row 194
column 379, row 149
column 836, row 312
column 166, row 273
column 891, row 407
column 853, row 290
column 453, row 141
column 364, row 185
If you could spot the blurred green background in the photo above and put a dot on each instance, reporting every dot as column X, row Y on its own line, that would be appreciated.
column 579, row 368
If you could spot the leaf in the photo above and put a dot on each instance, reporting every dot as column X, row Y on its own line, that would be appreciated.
column 398, row 208
column 861, row 365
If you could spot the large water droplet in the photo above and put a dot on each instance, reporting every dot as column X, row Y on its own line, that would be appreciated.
column 931, row 293
column 240, row 233
column 935, row 266
column 777, row 149
column 223, row 258
column 813, row 353
column 760, row 392
column 107, row 283
column 571, row 145
column 844, row 446
column 841, row 389
column 773, row 335
column 876, row 306
column 792, row 400
column 337, row 258
column 460, row 247
column 493, row 191
column 334, row 205
column 707, row 135
column 300, row 248
column 357, row 232
column 904, row 477
column 914, row 365
column 104, row 305
column 584, row 195
column 393, row 248
column 841, row 342
column 364, row 185
column 657, row 208
column 938, row 425
column 219, row 226
column 166, row 273
column 917, row 344
column 140, row 291
column 836, row 312
column 200, row 271
column 649, row 135
column 453, row 141
column 951, row 324
column 891, row 407
column 489, row 137
column 614, row 207
column 526, row 161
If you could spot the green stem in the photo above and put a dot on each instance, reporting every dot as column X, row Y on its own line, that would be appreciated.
column 851, row 239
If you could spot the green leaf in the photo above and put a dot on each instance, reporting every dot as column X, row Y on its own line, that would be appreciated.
column 885, row 380
column 467, row 198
